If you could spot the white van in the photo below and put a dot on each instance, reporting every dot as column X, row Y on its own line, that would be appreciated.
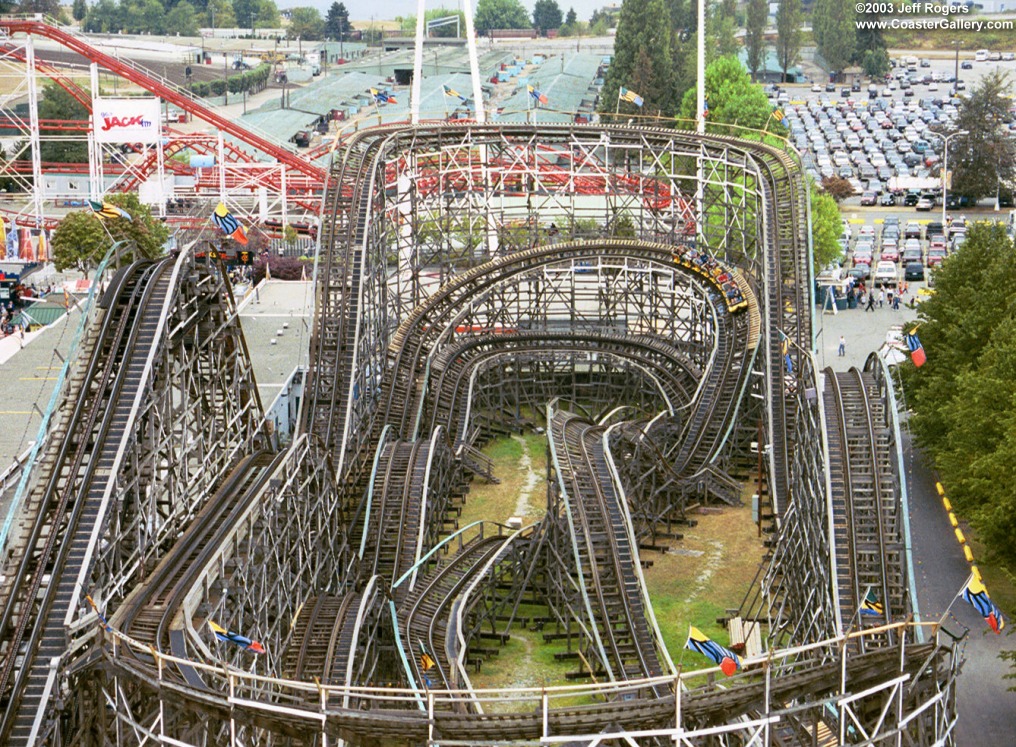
column 981, row 55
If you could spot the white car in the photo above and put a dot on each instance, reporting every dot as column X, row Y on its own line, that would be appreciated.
column 885, row 274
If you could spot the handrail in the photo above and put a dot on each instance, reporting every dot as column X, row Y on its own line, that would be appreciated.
column 86, row 308
column 629, row 528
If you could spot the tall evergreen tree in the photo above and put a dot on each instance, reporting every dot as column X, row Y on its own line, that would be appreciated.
column 754, row 36
column 837, row 39
column 788, row 34
column 571, row 18
column 546, row 16
column 642, row 25
column 79, row 10
column 986, row 156
column 337, row 21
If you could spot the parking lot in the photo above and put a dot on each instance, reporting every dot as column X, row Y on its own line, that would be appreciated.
column 883, row 137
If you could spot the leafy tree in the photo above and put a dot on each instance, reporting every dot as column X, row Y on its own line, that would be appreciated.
column 337, row 21
column 964, row 397
column 572, row 18
column 79, row 10
column 220, row 14
column 836, row 32
column 720, row 39
column 826, row 226
column 754, row 36
column 81, row 238
column 788, row 34
column 733, row 99
column 183, row 19
column 57, row 104
column 306, row 24
column 500, row 14
column 987, row 155
column 47, row 7
column 837, row 187
column 103, row 17
column 869, row 39
column 255, row 13
column 546, row 16
column 642, row 57
column 876, row 63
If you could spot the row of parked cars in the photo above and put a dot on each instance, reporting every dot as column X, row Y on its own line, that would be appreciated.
column 901, row 249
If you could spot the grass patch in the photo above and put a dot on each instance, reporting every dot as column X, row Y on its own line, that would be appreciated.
column 697, row 589
column 499, row 502
column 684, row 586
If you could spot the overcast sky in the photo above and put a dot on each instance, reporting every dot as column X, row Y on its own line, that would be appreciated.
column 361, row 10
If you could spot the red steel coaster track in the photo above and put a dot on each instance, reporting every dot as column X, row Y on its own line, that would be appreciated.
column 11, row 26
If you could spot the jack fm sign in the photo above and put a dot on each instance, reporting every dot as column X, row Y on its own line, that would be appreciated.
column 133, row 120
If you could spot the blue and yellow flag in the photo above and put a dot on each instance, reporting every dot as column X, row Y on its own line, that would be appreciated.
column 383, row 97
column 977, row 595
column 778, row 115
column 630, row 96
column 539, row 97
column 870, row 605
column 109, row 210
column 728, row 661
column 228, row 224
column 229, row 636
column 449, row 91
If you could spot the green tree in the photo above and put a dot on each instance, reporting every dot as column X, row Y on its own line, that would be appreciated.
column 103, row 17
column 754, row 35
column 220, row 14
column 642, row 57
column 337, row 21
column 837, row 38
column 82, row 238
column 79, row 10
column 46, row 7
column 500, row 14
column 306, row 24
column 788, row 35
column 987, row 155
column 963, row 399
column 57, row 104
column 733, row 99
column 720, row 39
column 826, row 225
column 572, row 18
column 876, row 63
column 546, row 16
column 183, row 19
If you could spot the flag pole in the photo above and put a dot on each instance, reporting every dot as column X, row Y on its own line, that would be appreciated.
column 617, row 107
column 956, row 596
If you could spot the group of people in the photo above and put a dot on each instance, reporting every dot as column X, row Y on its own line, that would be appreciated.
column 708, row 266
column 892, row 297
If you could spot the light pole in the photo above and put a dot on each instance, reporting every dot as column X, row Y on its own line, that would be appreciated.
column 945, row 169
column 956, row 71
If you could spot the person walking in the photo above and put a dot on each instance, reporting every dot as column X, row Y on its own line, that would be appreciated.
column 881, row 297
column 843, row 347
column 896, row 303
column 871, row 301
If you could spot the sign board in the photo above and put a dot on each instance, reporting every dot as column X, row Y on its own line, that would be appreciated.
column 134, row 120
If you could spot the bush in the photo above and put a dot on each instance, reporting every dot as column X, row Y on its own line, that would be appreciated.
column 283, row 268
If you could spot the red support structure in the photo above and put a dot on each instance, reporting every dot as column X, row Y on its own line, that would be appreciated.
column 174, row 96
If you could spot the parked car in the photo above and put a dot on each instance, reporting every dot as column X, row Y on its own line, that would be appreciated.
column 885, row 274
column 912, row 230
column 886, row 199
column 869, row 198
column 924, row 204
column 913, row 271
column 936, row 257
column 890, row 253
column 966, row 65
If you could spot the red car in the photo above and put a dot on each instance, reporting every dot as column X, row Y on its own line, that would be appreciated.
column 936, row 257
